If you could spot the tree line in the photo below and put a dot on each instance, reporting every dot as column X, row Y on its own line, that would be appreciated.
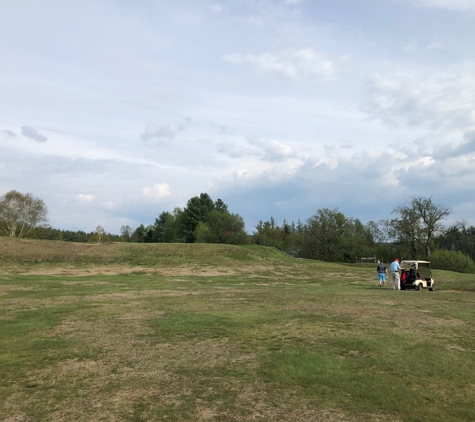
column 415, row 230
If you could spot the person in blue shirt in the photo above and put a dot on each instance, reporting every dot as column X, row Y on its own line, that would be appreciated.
column 394, row 268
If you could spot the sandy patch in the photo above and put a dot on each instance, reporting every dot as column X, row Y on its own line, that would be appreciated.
column 7, row 288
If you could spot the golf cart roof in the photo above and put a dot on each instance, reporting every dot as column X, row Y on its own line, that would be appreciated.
column 415, row 262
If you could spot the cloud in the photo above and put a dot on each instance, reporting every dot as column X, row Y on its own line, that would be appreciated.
column 9, row 133
column 32, row 133
column 154, row 131
column 272, row 150
column 291, row 2
column 434, row 101
column 467, row 147
column 314, row 184
column 232, row 150
column 157, row 191
column 301, row 64
column 84, row 198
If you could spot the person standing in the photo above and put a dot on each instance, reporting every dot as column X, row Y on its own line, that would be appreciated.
column 382, row 273
column 394, row 268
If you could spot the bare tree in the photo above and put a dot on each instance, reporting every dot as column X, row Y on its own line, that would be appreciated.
column 417, row 223
column 431, row 216
column 99, row 233
column 127, row 232
column 20, row 212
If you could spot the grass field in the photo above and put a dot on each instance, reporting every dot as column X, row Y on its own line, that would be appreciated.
column 127, row 332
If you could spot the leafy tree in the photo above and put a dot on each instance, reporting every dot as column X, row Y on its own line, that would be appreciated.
column 405, row 229
column 220, row 206
column 140, row 234
column 19, row 213
column 197, row 209
column 360, row 241
column 72, row 236
column 458, row 237
column 144, row 234
column 293, row 238
column 225, row 227
column 203, row 233
column 268, row 233
column 326, row 235
column 164, row 227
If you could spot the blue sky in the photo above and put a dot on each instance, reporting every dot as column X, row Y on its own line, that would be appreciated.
column 114, row 111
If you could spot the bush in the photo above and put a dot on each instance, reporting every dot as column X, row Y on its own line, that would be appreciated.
column 452, row 261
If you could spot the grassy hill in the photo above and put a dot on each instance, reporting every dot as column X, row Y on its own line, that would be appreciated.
column 179, row 332
column 53, row 253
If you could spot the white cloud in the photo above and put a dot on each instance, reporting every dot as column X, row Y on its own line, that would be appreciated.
column 272, row 150
column 305, row 63
column 32, row 133
column 292, row 2
column 232, row 150
column 434, row 101
column 154, row 131
column 157, row 191
column 84, row 198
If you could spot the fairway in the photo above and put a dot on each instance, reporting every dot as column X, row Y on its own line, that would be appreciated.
column 127, row 332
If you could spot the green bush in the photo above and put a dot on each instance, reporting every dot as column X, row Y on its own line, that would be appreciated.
column 452, row 261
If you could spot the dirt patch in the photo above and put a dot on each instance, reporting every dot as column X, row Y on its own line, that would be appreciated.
column 7, row 288
column 81, row 272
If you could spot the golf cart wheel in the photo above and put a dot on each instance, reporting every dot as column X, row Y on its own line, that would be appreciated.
column 419, row 287
column 431, row 289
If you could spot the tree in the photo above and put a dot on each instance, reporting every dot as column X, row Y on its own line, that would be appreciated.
column 225, row 227
column 405, row 229
column 458, row 237
column 164, row 227
column 326, row 234
column 144, row 234
column 19, row 213
column 268, row 233
column 197, row 209
column 127, row 232
column 431, row 215
column 99, row 233
column 416, row 224
column 220, row 206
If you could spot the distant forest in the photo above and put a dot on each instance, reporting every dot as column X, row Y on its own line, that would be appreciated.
column 415, row 231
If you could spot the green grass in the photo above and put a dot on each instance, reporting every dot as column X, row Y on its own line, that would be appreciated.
column 237, row 334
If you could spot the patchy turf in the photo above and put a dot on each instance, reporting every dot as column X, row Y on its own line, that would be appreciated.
column 202, row 336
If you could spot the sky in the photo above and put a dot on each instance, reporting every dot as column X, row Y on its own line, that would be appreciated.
column 115, row 111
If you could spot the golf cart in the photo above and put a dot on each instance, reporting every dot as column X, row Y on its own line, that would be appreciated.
column 416, row 275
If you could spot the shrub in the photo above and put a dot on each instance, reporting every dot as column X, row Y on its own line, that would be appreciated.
column 443, row 259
